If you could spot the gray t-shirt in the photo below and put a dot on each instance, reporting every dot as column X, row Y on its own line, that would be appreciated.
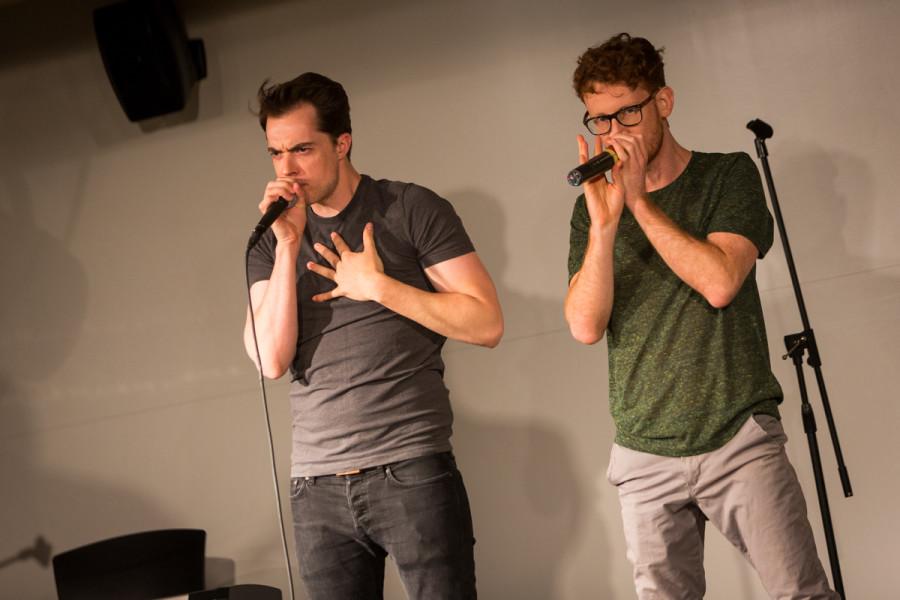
column 367, row 383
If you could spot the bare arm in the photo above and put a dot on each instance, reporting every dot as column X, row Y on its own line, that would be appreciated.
column 590, row 297
column 715, row 267
column 274, row 300
column 589, row 300
column 275, row 311
column 464, row 308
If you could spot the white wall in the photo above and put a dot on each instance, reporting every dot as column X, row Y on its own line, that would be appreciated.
column 126, row 401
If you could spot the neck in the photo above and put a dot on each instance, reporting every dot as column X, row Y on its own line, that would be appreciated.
column 669, row 162
column 348, row 181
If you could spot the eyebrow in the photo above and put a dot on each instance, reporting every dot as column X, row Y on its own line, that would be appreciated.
column 294, row 148
column 611, row 115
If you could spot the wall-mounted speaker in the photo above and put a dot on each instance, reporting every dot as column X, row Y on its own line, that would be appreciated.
column 150, row 62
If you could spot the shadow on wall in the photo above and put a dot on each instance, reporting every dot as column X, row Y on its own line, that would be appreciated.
column 828, row 229
column 820, row 221
column 43, row 304
column 42, row 311
column 41, row 314
column 44, row 501
column 528, row 504
column 839, row 241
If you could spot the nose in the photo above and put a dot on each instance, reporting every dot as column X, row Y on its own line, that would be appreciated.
column 287, row 165
column 615, row 127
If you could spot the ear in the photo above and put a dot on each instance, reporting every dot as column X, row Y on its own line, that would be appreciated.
column 343, row 144
column 665, row 101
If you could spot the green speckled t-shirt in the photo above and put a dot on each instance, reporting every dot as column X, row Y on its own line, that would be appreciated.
column 683, row 375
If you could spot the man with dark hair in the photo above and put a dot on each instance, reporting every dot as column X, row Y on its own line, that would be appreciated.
column 671, row 282
column 329, row 98
column 360, row 325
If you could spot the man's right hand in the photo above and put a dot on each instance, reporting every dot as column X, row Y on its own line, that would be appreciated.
column 289, row 226
column 605, row 201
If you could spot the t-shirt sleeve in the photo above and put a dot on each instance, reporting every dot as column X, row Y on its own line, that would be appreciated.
column 578, row 235
column 741, row 205
column 262, row 258
column 436, row 230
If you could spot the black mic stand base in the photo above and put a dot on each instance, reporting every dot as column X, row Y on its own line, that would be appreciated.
column 796, row 344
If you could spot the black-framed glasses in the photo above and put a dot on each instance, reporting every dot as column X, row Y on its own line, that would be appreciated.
column 628, row 117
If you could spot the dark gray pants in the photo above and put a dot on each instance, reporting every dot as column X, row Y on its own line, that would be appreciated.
column 416, row 511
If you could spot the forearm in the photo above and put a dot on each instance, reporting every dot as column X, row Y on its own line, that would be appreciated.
column 275, row 312
column 458, row 316
column 700, row 264
column 589, row 300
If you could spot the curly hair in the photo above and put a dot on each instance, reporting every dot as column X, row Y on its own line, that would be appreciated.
column 622, row 59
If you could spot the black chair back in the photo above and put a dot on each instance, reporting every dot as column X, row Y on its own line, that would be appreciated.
column 246, row 591
column 152, row 564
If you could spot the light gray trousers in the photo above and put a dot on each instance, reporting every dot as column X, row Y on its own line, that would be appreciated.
column 747, row 489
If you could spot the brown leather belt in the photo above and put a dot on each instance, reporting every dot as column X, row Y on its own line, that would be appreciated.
column 350, row 472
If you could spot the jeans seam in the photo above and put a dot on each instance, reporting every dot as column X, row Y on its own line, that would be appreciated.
column 414, row 484
column 350, row 504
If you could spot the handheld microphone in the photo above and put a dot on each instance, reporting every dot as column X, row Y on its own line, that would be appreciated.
column 601, row 163
column 273, row 212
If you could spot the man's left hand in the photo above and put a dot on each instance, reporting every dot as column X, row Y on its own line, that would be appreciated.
column 357, row 274
column 631, row 170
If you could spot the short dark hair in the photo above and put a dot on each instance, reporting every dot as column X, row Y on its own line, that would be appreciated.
column 325, row 95
column 632, row 61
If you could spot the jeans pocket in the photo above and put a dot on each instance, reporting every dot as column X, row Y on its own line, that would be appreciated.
column 771, row 427
column 421, row 471
column 610, row 477
column 298, row 487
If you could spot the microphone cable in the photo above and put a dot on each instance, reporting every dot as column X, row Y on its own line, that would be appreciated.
column 265, row 402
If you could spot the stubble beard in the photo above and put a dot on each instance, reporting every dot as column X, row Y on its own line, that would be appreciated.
column 325, row 192
column 654, row 147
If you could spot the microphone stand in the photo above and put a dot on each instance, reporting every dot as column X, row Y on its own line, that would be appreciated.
column 797, row 344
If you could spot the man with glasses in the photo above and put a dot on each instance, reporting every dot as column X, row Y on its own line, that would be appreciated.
column 662, row 261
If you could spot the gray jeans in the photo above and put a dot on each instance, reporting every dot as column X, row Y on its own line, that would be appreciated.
column 415, row 510
column 747, row 489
